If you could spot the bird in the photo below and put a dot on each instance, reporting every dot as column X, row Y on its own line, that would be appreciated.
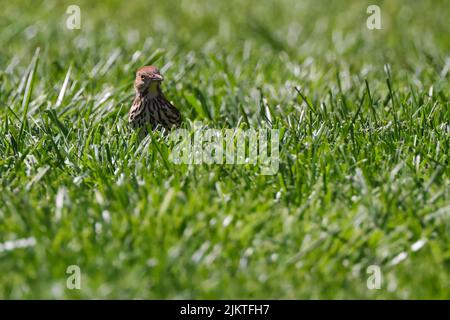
column 150, row 108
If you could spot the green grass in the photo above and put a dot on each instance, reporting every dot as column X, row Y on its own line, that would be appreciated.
column 364, row 166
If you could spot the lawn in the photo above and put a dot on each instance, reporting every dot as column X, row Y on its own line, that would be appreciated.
column 363, row 178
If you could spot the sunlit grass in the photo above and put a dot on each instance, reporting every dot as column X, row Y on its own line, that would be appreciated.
column 363, row 177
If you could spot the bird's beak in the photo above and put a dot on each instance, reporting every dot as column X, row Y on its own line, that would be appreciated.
column 157, row 77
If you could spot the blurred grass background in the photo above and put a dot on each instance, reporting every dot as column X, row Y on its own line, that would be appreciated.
column 363, row 178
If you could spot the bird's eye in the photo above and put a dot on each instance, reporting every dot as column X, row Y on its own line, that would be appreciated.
column 142, row 78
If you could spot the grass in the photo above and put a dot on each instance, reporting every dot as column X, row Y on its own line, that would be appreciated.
column 364, row 166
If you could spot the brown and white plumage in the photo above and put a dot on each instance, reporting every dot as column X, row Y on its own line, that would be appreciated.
column 150, row 107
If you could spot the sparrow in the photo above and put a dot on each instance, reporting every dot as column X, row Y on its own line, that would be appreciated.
column 150, row 108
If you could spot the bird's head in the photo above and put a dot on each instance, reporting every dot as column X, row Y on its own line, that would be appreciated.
column 147, row 80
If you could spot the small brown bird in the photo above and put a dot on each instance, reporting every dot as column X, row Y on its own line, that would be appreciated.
column 150, row 107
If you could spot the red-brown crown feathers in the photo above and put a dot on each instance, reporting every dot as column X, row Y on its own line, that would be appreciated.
column 145, row 76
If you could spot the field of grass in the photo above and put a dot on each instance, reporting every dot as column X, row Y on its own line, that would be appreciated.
column 364, row 150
